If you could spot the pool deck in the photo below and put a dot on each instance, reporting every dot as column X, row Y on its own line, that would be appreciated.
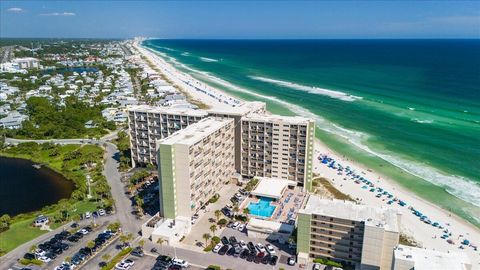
column 286, row 208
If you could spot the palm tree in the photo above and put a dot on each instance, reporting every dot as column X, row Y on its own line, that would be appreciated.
column 213, row 228
column 235, row 210
column 218, row 213
column 141, row 243
column 246, row 211
column 206, row 236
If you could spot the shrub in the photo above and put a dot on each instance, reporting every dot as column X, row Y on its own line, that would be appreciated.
column 327, row 262
column 214, row 198
column 216, row 239
column 214, row 267
column 117, row 258
column 222, row 222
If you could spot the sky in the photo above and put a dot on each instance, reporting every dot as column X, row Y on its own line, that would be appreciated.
column 240, row 19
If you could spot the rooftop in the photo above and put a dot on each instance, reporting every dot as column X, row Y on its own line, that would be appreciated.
column 294, row 120
column 271, row 187
column 386, row 218
column 243, row 109
column 196, row 132
column 167, row 110
column 426, row 259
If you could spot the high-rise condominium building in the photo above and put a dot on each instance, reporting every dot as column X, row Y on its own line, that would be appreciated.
column 193, row 164
column 277, row 146
column 347, row 232
column 408, row 258
column 148, row 124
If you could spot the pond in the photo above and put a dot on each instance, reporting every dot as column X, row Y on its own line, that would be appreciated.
column 25, row 188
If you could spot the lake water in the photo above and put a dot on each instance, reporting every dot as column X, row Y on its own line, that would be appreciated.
column 23, row 188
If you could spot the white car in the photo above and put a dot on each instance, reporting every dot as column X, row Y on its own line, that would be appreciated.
column 40, row 252
column 83, row 231
column 124, row 265
column 241, row 227
column 217, row 248
column 101, row 212
column 270, row 249
column 88, row 215
column 260, row 247
column 235, row 225
column 44, row 259
column 243, row 245
column 316, row 266
column 179, row 262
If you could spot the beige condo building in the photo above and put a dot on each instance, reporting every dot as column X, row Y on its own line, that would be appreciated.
column 349, row 233
column 193, row 165
column 148, row 124
column 277, row 147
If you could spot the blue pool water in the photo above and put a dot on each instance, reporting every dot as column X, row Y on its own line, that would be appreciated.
column 262, row 208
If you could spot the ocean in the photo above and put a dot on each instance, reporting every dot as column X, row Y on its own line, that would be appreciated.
column 409, row 109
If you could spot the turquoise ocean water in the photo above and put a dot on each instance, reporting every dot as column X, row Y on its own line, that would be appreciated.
column 409, row 109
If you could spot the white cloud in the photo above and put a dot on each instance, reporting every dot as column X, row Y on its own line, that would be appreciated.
column 15, row 10
column 58, row 14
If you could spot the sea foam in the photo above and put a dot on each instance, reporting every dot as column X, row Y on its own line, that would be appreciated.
column 309, row 89
column 206, row 59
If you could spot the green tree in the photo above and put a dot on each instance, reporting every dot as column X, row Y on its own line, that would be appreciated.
column 106, row 257
column 246, row 211
column 218, row 214
column 213, row 229
column 206, row 236
column 5, row 221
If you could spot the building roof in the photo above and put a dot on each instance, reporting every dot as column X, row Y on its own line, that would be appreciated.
column 386, row 218
column 240, row 110
column 271, row 187
column 269, row 226
column 426, row 259
column 293, row 120
column 196, row 132
column 167, row 110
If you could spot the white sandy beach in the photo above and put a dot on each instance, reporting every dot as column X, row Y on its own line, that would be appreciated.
column 427, row 235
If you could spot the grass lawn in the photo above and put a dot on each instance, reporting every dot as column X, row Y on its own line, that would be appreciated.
column 19, row 233
column 22, row 230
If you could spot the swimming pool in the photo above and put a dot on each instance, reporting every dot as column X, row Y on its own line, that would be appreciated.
column 262, row 208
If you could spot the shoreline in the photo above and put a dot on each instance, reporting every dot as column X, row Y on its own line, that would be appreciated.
column 423, row 233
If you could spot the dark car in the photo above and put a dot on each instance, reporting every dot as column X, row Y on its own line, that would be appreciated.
column 232, row 240
column 244, row 254
column 223, row 250
column 102, row 264
column 231, row 251
column 273, row 260
column 225, row 241
column 137, row 252
column 29, row 256
column 250, row 257
column 251, row 247
column 266, row 259
column 51, row 255
column 258, row 259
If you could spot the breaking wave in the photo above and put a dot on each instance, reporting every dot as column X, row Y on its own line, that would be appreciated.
column 310, row 89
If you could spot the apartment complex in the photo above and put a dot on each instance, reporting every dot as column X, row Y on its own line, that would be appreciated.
column 236, row 114
column 349, row 233
column 407, row 258
column 193, row 164
column 277, row 146
column 148, row 124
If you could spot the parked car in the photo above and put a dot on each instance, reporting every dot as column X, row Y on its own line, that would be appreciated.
column 260, row 248
column 316, row 266
column 217, row 248
column 291, row 261
column 241, row 227
column 44, row 259
column 88, row 215
column 223, row 250
column 138, row 251
column 225, row 241
column 179, row 262
column 235, row 225
column 29, row 256
column 273, row 260
column 101, row 212
column 270, row 249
